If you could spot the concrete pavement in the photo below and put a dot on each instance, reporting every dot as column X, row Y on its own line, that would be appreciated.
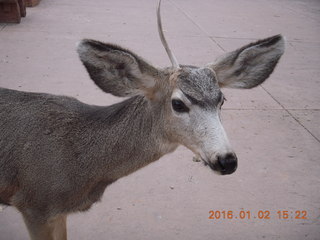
column 274, row 128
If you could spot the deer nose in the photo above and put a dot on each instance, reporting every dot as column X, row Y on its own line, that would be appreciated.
column 225, row 164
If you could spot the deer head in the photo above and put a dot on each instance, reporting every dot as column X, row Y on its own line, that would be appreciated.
column 189, row 97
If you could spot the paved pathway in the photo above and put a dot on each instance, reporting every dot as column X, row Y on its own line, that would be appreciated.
column 274, row 128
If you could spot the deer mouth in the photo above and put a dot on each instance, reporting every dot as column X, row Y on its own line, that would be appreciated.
column 213, row 166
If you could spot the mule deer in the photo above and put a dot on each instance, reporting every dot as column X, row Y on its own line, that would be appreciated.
column 57, row 155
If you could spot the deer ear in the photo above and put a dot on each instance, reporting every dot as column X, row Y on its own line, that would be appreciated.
column 250, row 65
column 116, row 70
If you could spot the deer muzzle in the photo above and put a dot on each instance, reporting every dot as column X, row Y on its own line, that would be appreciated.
column 225, row 164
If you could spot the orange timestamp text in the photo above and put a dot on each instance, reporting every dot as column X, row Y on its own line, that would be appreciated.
column 260, row 214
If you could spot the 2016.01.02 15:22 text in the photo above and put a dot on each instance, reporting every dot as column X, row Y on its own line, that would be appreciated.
column 261, row 214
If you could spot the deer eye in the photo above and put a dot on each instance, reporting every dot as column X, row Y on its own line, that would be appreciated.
column 179, row 106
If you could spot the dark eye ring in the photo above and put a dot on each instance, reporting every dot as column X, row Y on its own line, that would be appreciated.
column 179, row 106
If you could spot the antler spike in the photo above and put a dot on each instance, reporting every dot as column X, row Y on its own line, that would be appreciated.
column 172, row 58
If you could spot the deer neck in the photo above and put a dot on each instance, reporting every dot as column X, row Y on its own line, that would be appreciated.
column 132, row 136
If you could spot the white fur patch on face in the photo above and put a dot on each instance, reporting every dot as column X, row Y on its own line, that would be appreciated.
column 208, row 138
column 201, row 130
column 216, row 142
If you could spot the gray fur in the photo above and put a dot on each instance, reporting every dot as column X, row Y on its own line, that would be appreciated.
column 57, row 155
column 45, row 134
column 250, row 65
column 200, row 86
column 126, row 73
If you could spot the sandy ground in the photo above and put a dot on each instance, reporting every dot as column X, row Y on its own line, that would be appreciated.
column 274, row 128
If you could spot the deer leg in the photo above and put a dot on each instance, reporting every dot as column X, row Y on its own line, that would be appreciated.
column 50, row 229
column 38, row 229
column 60, row 228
